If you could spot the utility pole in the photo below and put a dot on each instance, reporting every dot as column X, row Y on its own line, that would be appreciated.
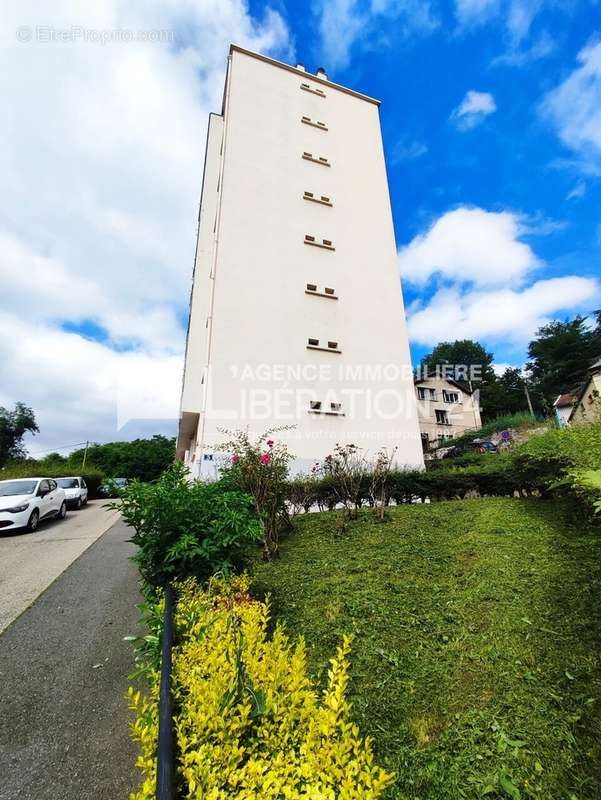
column 85, row 454
column 527, row 393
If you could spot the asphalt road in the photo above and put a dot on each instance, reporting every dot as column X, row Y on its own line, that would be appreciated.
column 63, row 678
column 29, row 562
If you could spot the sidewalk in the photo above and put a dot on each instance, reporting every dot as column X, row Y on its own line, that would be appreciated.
column 63, row 678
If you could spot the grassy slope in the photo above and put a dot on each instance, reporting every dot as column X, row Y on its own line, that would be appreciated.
column 477, row 639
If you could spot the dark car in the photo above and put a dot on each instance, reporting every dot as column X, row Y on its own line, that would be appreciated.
column 476, row 446
column 112, row 487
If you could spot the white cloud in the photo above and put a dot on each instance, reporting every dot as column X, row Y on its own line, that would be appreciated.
column 345, row 24
column 516, row 15
column 101, row 158
column 574, row 107
column 473, row 109
column 578, row 191
column 516, row 56
column 469, row 244
column 408, row 151
column 81, row 389
column 504, row 315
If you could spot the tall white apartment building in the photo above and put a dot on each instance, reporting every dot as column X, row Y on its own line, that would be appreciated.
column 296, row 313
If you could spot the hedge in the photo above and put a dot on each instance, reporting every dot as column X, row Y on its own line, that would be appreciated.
column 93, row 477
column 249, row 721
column 557, row 462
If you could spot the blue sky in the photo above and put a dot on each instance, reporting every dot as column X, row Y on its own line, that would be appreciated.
column 517, row 155
column 491, row 118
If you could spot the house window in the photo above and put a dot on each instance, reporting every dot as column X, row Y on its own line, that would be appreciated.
column 315, row 405
column 316, row 160
column 312, row 288
column 313, row 342
column 450, row 397
column 336, row 406
column 308, row 121
column 325, row 243
column 442, row 417
column 308, row 88
column 425, row 393
column 333, row 345
column 323, row 200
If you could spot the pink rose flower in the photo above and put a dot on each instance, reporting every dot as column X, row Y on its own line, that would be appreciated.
column 235, row 459
column 265, row 458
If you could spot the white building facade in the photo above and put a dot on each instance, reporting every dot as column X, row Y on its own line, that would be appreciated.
column 296, row 313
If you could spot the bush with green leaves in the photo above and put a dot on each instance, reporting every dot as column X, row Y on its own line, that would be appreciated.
column 187, row 528
column 260, row 469
column 559, row 462
column 30, row 468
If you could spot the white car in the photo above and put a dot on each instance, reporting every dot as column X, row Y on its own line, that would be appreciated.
column 24, row 502
column 76, row 491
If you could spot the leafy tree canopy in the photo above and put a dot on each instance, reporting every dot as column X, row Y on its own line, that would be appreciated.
column 561, row 354
column 13, row 426
column 145, row 459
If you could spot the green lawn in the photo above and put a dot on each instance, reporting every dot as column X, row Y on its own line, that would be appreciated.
column 477, row 651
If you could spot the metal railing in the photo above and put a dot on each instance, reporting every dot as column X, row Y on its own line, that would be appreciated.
column 165, row 787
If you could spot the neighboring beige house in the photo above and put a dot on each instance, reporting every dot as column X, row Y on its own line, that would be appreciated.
column 296, row 312
column 445, row 410
column 587, row 407
column 563, row 408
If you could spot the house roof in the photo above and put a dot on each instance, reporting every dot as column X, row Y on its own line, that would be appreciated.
column 457, row 385
column 567, row 399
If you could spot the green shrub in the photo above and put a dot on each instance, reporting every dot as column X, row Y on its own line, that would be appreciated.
column 187, row 528
column 260, row 469
column 33, row 469
column 558, row 461
column 251, row 724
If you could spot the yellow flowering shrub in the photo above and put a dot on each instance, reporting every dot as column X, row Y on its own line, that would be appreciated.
column 250, row 723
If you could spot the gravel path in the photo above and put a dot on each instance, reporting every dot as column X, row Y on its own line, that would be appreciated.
column 63, row 678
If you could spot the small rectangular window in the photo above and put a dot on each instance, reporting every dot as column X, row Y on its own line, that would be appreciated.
column 325, row 199
column 315, row 405
column 321, row 124
column 324, row 160
column 309, row 194
column 306, row 119
column 336, row 406
column 305, row 86
column 307, row 155
column 328, row 290
column 311, row 287
column 333, row 345
column 309, row 238
column 442, row 417
column 314, row 342
column 327, row 242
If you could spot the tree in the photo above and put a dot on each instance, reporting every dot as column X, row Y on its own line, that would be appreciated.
column 145, row 459
column 13, row 426
column 561, row 354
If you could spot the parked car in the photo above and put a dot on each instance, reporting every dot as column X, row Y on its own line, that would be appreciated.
column 475, row 446
column 112, row 486
column 24, row 502
column 76, row 491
